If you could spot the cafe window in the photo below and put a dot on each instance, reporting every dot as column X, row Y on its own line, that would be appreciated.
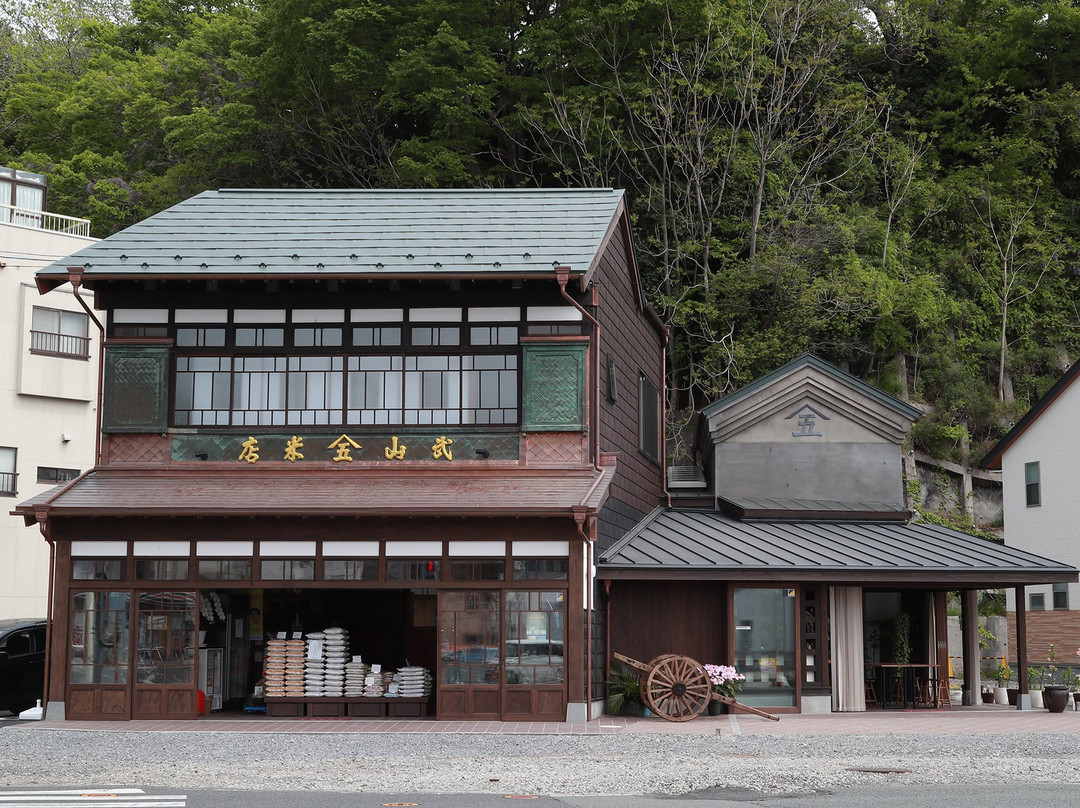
column 100, row 637
column 551, row 569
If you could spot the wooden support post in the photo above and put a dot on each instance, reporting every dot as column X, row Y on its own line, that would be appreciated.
column 969, row 622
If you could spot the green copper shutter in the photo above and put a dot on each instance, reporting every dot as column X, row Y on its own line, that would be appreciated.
column 136, row 393
column 553, row 387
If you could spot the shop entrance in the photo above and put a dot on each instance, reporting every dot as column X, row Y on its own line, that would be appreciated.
column 165, row 656
column 392, row 628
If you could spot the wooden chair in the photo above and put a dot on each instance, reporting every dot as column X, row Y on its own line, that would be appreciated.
column 871, row 695
column 943, row 699
column 898, row 694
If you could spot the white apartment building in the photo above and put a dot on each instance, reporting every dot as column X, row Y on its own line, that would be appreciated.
column 49, row 348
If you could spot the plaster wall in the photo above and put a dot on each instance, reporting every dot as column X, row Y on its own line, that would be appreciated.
column 41, row 398
column 868, row 472
column 1051, row 529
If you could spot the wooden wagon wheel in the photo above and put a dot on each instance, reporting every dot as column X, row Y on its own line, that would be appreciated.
column 677, row 688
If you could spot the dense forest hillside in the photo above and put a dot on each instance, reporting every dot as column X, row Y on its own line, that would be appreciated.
column 893, row 185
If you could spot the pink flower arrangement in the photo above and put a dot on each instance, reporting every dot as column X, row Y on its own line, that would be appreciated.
column 725, row 679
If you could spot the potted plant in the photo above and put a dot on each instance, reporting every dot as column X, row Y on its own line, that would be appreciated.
column 624, row 692
column 725, row 682
column 1035, row 687
column 1056, row 696
column 1002, row 675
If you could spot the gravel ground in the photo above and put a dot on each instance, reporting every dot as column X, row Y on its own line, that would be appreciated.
column 528, row 764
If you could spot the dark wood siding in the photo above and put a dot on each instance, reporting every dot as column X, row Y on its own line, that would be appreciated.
column 692, row 622
column 632, row 339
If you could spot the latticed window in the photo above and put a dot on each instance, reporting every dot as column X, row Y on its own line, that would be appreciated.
column 375, row 375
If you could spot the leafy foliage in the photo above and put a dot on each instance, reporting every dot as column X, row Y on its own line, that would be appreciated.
column 890, row 185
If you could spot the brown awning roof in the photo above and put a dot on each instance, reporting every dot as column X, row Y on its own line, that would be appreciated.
column 201, row 491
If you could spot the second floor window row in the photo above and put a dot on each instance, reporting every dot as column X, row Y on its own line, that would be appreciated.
column 346, row 390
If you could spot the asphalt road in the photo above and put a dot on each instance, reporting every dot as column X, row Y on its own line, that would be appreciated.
column 995, row 796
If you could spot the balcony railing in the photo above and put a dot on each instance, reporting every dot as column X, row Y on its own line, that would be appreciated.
column 8, row 479
column 43, row 220
column 48, row 342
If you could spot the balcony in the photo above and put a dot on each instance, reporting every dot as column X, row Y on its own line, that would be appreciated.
column 53, row 344
column 43, row 220
column 8, row 480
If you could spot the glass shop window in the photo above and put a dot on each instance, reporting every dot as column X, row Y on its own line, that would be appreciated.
column 100, row 637
column 288, row 569
column 99, row 569
column 224, row 569
column 412, row 569
column 535, row 632
column 351, row 569
column 540, row 569
column 477, row 570
column 161, row 569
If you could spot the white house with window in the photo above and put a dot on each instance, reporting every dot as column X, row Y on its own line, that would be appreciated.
column 48, row 380
column 1040, row 479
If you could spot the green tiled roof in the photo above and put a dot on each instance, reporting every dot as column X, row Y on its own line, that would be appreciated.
column 357, row 233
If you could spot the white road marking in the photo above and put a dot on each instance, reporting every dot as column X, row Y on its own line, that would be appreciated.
column 97, row 797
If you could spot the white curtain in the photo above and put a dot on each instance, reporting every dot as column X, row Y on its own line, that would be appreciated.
column 846, row 639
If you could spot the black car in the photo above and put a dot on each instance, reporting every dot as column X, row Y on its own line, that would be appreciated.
column 22, row 663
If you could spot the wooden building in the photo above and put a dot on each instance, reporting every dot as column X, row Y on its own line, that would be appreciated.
column 788, row 552
column 405, row 414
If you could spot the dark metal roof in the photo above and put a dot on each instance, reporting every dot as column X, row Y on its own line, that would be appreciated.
column 127, row 491
column 240, row 233
column 805, row 360
column 806, row 509
column 709, row 545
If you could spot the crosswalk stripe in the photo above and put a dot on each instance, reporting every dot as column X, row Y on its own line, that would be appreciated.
column 97, row 797
column 65, row 802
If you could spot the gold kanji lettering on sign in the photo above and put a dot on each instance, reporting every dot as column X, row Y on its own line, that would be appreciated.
column 250, row 450
column 394, row 451
column 292, row 449
column 441, row 448
column 344, row 445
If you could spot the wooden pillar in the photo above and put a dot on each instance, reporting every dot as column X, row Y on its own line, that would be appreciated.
column 941, row 636
column 1023, row 702
column 969, row 622
column 59, row 632
column 578, row 578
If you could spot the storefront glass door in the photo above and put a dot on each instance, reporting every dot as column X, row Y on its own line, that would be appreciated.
column 166, row 655
column 765, row 646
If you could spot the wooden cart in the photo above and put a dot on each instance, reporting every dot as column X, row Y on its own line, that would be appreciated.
column 677, row 688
